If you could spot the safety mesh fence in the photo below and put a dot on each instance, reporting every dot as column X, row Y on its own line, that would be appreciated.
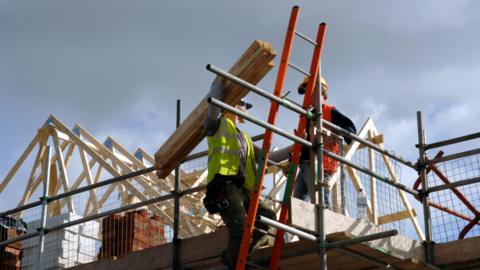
column 110, row 236
column 453, row 209
column 387, row 203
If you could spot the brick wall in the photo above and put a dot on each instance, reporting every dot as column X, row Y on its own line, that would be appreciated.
column 10, row 255
column 132, row 231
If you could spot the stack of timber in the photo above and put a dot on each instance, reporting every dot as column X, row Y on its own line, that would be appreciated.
column 252, row 66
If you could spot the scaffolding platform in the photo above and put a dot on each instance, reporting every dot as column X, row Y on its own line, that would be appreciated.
column 397, row 252
column 203, row 252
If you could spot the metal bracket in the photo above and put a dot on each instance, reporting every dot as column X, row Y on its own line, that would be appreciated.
column 420, row 165
column 45, row 198
column 42, row 229
column 322, row 244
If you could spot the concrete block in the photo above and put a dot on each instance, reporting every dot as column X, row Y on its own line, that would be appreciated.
column 69, row 253
column 91, row 229
column 56, row 236
column 50, row 263
column 82, row 258
column 88, row 246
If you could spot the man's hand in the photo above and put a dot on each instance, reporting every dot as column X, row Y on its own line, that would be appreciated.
column 301, row 135
column 159, row 173
column 286, row 169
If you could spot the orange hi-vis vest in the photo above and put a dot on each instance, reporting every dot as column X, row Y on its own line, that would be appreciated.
column 330, row 143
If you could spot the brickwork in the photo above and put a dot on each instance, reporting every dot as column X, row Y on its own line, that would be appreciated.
column 133, row 231
column 10, row 255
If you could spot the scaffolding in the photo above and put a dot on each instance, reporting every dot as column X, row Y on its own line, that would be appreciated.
column 466, row 161
column 448, row 188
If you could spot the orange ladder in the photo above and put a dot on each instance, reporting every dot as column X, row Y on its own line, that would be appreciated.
column 255, row 196
column 297, row 148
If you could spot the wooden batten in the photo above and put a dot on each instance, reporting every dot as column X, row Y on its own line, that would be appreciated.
column 395, row 216
column 55, row 208
column 252, row 66
column 377, row 139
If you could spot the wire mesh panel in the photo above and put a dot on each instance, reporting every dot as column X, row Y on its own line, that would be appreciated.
column 110, row 236
column 11, row 255
column 388, row 203
column 130, row 231
column 63, row 248
column 453, row 209
column 13, row 226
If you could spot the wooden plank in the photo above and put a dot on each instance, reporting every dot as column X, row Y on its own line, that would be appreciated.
column 35, row 180
column 79, row 179
column 93, row 196
column 373, row 180
column 377, row 139
column 311, row 260
column 395, row 217
column 196, row 254
column 411, row 264
column 80, row 143
column 68, row 156
column 457, row 252
column 252, row 66
column 19, row 163
column 63, row 169
column 63, row 136
column 403, row 196
column 139, row 165
column 30, row 188
column 132, row 160
column 166, row 212
column 54, row 207
column 336, row 198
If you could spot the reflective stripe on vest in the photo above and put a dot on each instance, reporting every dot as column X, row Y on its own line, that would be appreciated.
column 224, row 153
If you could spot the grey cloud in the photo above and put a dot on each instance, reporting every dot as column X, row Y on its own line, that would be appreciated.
column 115, row 66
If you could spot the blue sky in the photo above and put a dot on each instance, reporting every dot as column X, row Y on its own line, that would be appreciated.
column 117, row 67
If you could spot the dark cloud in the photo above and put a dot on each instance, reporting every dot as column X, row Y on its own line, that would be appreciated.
column 117, row 67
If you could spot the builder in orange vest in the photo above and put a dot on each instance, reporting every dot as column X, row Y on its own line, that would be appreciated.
column 304, row 189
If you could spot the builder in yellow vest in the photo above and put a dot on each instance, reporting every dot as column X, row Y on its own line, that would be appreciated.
column 231, row 174
column 303, row 187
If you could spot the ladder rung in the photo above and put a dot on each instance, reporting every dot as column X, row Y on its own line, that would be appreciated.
column 309, row 40
column 299, row 69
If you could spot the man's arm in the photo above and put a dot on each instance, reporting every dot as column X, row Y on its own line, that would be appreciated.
column 344, row 122
column 214, row 113
column 275, row 156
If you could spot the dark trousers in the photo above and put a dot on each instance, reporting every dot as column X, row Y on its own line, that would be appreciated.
column 234, row 218
column 304, row 187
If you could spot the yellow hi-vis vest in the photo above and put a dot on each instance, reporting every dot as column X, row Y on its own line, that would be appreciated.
column 224, row 154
